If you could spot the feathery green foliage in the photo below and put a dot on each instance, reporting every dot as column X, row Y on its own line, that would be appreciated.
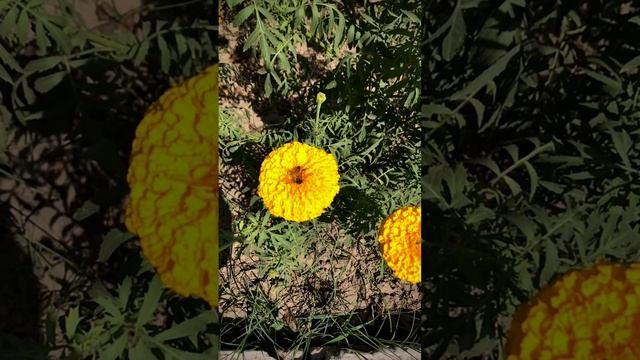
column 364, row 56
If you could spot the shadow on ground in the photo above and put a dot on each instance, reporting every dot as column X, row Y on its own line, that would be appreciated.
column 19, row 295
column 400, row 326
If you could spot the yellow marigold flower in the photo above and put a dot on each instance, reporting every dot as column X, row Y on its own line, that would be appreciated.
column 400, row 242
column 298, row 181
column 587, row 314
column 173, row 176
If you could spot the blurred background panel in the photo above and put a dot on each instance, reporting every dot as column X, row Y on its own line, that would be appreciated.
column 76, row 78
column 530, row 158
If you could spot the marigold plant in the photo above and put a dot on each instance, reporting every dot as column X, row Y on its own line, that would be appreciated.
column 298, row 181
column 173, row 205
column 400, row 241
column 593, row 313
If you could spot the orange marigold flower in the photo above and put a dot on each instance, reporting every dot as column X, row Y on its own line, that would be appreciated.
column 173, row 176
column 592, row 313
column 298, row 181
column 400, row 240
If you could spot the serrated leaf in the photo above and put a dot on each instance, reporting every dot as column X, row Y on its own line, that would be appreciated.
column 74, row 64
column 41, row 37
column 265, row 12
column 181, row 44
column 299, row 16
column 150, row 302
column 489, row 163
column 115, row 349
column 71, row 322
column 284, row 62
column 109, row 305
column 412, row 17
column 29, row 95
column 609, row 227
column 622, row 142
column 533, row 178
column 141, row 351
column 525, row 278
column 437, row 109
column 48, row 82
column 456, row 35
column 23, row 27
column 486, row 76
column 124, row 292
column 315, row 17
column 187, row 328
column 522, row 161
column 4, row 75
column 268, row 88
column 165, row 55
column 243, row 15
column 251, row 41
column 480, row 214
column 631, row 64
column 351, row 33
column 9, row 60
column 524, row 224
column 337, row 40
column 551, row 263
column 614, row 85
column 176, row 354
column 479, row 107
column 8, row 24
column 111, row 242
column 265, row 52
column 513, row 185
column 141, row 54
column 513, row 151
column 42, row 64
column 479, row 348
column 58, row 35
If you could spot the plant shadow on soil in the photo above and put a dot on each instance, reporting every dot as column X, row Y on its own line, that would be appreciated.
column 398, row 326
column 19, row 292
column 226, row 238
column 356, row 209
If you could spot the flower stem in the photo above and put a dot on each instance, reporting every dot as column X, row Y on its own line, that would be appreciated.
column 320, row 98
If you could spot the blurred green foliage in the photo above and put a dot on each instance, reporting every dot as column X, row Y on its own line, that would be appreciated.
column 89, row 86
column 532, row 149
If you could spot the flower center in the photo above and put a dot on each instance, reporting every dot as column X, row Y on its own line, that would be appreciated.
column 296, row 175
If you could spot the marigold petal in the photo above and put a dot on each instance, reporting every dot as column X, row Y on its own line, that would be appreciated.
column 400, row 241
column 173, row 177
column 591, row 313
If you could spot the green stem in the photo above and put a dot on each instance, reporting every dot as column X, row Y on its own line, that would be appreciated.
column 316, row 130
